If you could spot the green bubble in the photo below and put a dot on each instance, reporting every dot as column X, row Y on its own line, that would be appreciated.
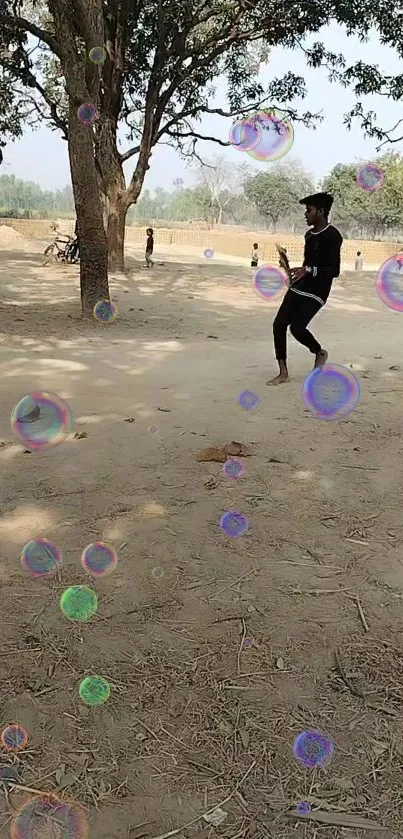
column 79, row 603
column 94, row 690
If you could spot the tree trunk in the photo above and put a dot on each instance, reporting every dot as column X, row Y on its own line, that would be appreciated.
column 91, row 233
column 117, row 210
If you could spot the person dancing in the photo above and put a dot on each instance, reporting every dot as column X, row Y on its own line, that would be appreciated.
column 310, row 285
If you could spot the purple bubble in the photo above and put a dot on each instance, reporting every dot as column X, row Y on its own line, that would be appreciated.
column 244, row 136
column 268, row 281
column 331, row 392
column 99, row 559
column 233, row 468
column 313, row 749
column 303, row 808
column 248, row 400
column 87, row 113
column 389, row 282
column 209, row 253
column 370, row 177
column 233, row 524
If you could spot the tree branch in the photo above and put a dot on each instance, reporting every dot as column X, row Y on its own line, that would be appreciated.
column 20, row 23
column 197, row 137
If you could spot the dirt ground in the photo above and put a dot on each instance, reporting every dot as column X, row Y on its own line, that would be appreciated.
column 217, row 663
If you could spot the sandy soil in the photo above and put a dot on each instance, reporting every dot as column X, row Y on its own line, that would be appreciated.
column 197, row 717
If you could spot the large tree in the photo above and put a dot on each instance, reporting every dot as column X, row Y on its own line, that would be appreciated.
column 163, row 58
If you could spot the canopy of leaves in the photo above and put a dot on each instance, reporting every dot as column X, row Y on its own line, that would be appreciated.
column 277, row 191
column 355, row 209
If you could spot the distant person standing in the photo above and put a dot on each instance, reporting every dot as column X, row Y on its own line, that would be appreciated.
column 149, row 247
column 255, row 256
column 359, row 261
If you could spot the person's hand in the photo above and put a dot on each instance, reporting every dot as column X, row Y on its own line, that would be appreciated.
column 297, row 274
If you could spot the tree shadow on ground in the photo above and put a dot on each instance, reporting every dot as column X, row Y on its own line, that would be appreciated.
column 177, row 667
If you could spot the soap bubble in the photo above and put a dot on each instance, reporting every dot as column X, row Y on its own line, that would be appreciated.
column 50, row 817
column 99, row 559
column 105, row 311
column 41, row 558
column 331, row 392
column 233, row 468
column 244, row 136
column 233, row 524
column 79, row 603
column 313, row 749
column 209, row 253
column 268, row 281
column 248, row 400
column 370, row 177
column 97, row 55
column 277, row 135
column 14, row 738
column 41, row 420
column 158, row 573
column 303, row 808
column 94, row 690
column 87, row 114
column 389, row 282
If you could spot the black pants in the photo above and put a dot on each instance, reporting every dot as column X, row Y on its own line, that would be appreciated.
column 295, row 311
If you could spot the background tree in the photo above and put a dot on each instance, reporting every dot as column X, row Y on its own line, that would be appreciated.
column 276, row 192
column 357, row 211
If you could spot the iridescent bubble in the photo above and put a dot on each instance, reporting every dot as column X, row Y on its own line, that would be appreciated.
column 41, row 558
column 94, row 690
column 370, row 177
column 313, row 749
column 244, row 136
column 233, row 468
column 99, row 559
column 331, row 392
column 49, row 817
column 41, row 420
column 87, row 114
column 79, row 603
column 209, row 253
column 248, row 400
column 157, row 573
column 389, row 282
column 268, row 281
column 97, row 55
column 233, row 524
column 105, row 311
column 153, row 429
column 277, row 135
column 247, row 642
column 303, row 808
column 14, row 738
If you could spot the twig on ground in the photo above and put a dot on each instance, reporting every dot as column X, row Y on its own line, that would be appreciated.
column 230, row 585
column 137, row 609
column 361, row 614
column 241, row 645
column 211, row 810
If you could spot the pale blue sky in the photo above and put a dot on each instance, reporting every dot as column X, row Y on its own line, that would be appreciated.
column 41, row 156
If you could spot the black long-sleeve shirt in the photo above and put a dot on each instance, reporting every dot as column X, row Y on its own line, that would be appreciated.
column 322, row 257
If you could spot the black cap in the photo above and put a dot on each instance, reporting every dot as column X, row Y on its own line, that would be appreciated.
column 321, row 200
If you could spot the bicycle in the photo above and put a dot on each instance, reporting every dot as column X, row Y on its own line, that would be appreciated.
column 64, row 249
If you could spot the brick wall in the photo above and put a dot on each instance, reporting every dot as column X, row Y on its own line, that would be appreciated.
column 226, row 242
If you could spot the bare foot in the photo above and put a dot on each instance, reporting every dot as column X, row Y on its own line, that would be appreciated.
column 321, row 359
column 279, row 380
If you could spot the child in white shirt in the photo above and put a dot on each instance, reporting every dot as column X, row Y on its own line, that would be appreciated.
column 255, row 255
